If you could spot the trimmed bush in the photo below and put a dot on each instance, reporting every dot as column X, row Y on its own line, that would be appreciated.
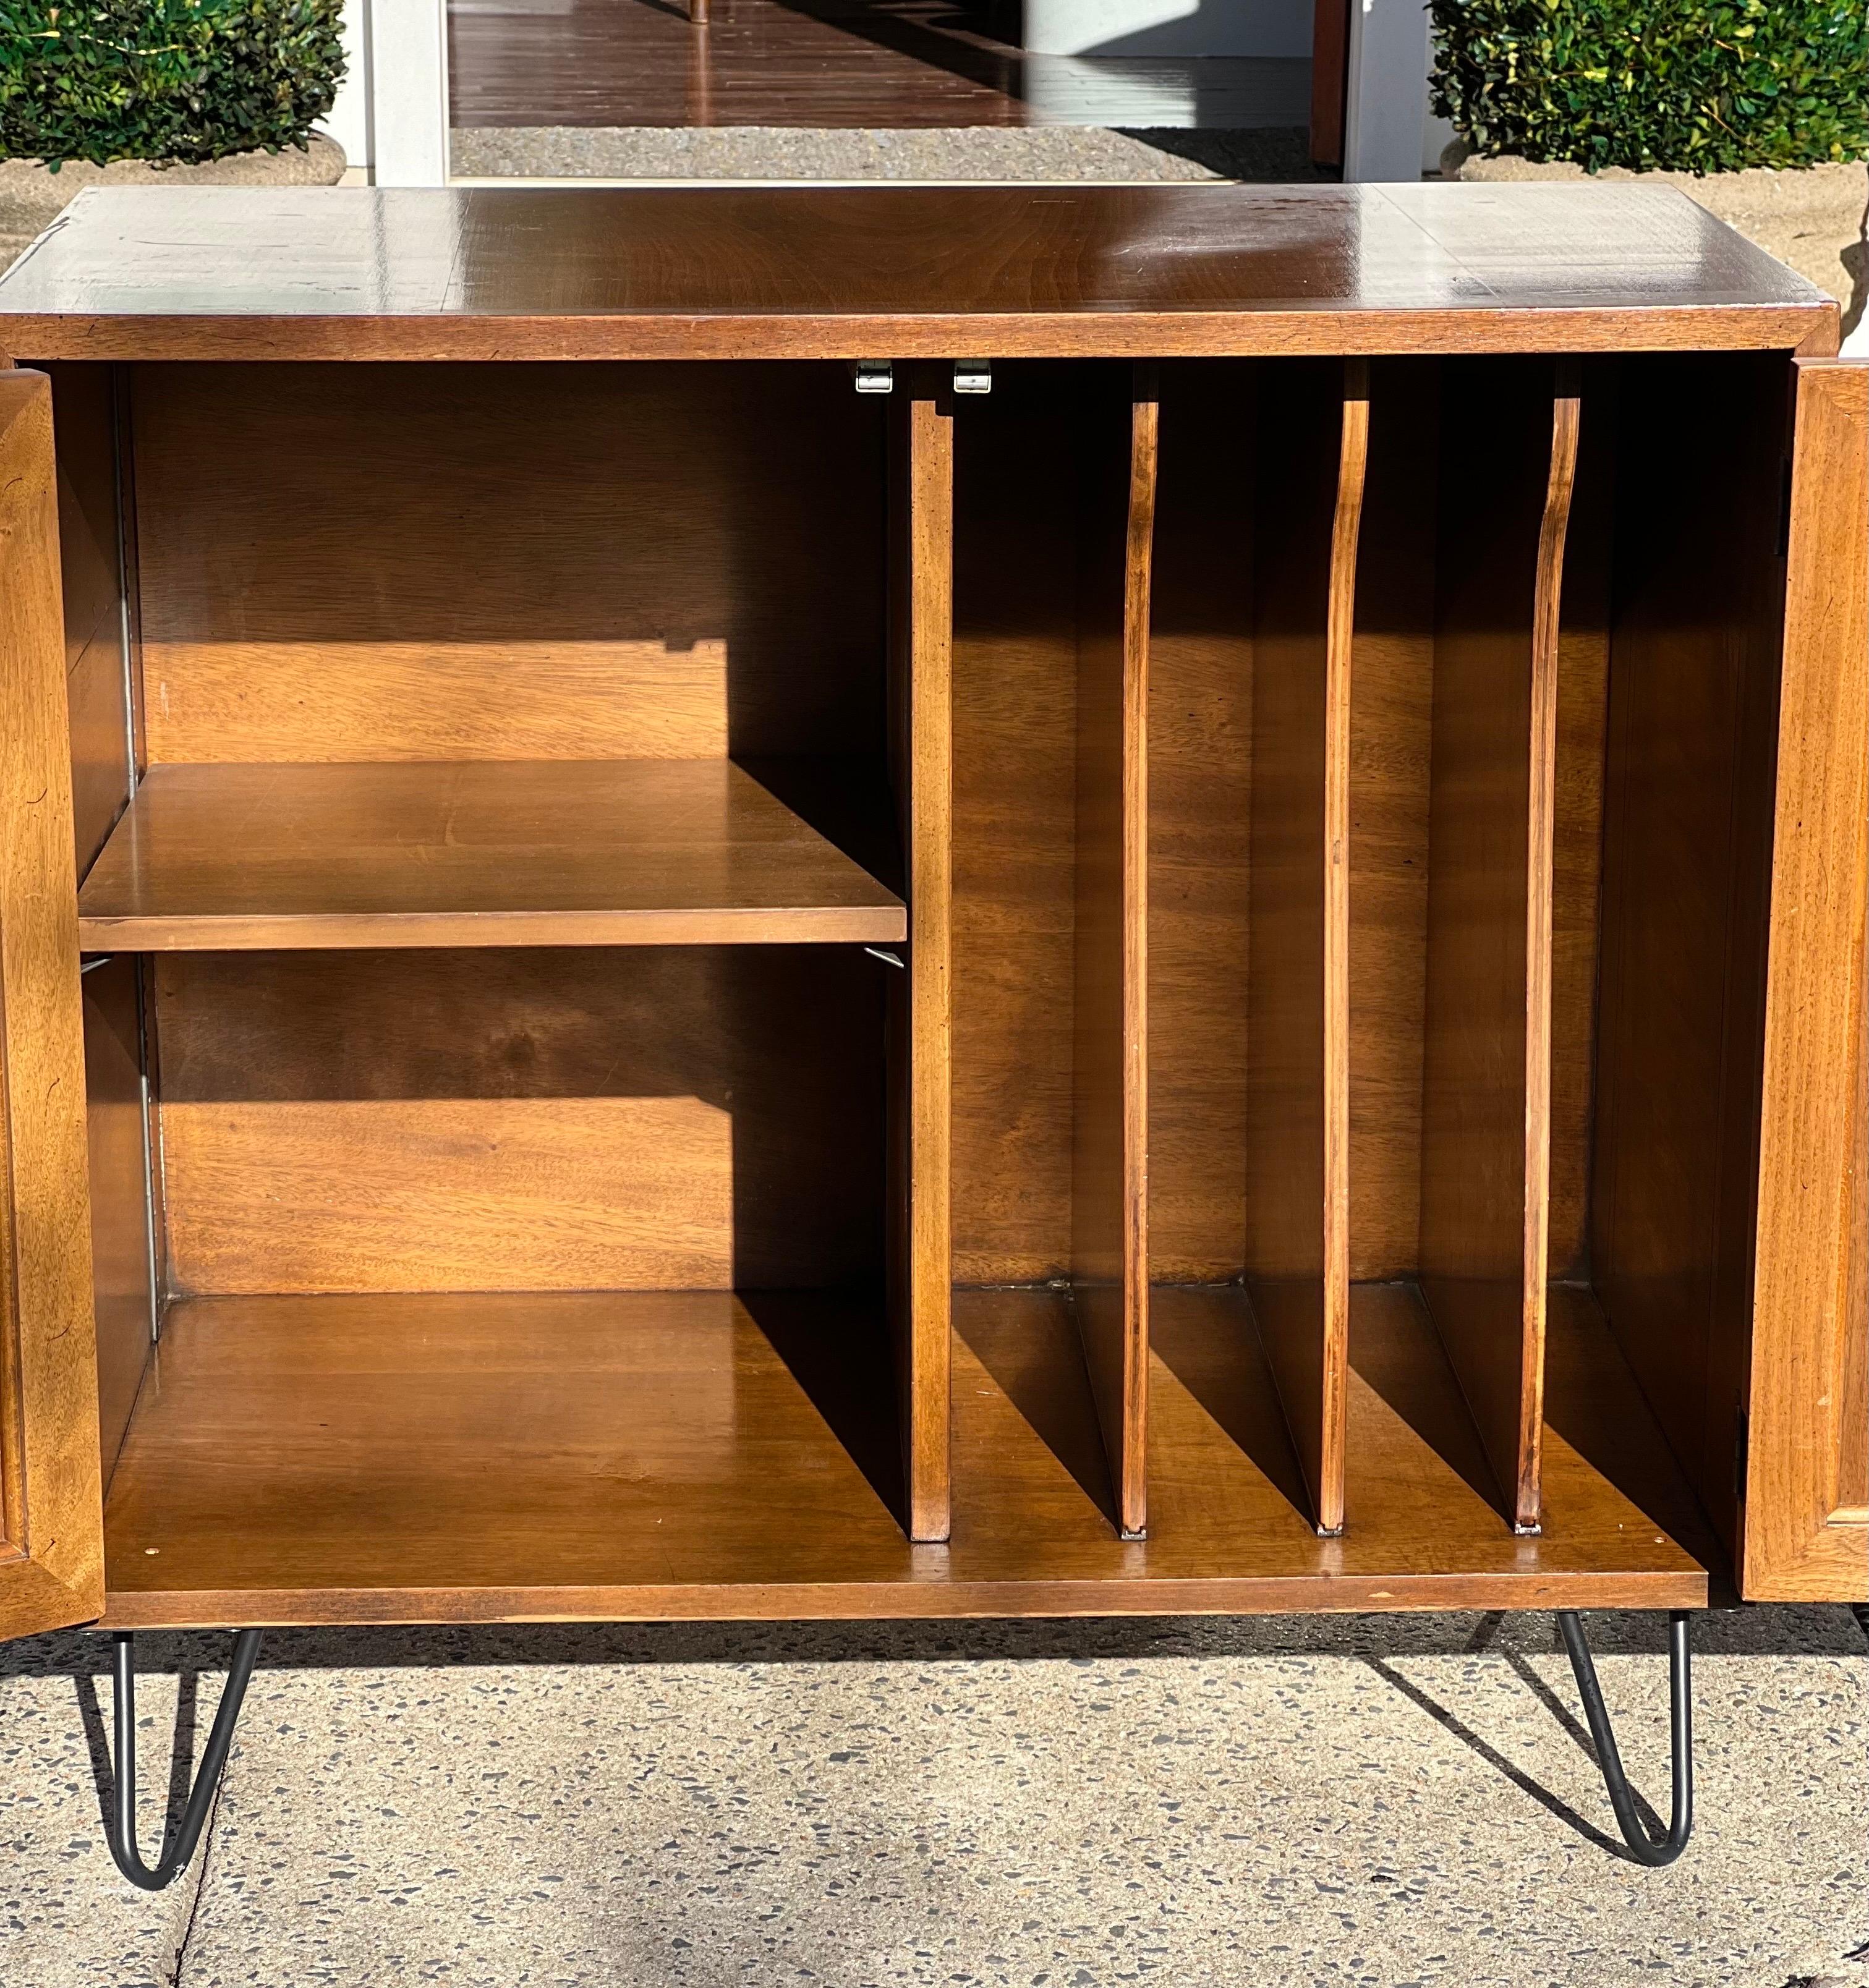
column 1686, row 86
column 183, row 79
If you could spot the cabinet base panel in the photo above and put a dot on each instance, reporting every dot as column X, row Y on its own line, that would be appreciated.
column 659, row 1456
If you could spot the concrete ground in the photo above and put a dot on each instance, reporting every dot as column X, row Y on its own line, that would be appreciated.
column 1368, row 1800
column 768, row 154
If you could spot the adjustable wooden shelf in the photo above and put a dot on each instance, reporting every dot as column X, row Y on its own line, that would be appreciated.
column 1226, row 977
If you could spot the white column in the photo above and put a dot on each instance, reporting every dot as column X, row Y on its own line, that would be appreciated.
column 408, row 93
column 348, row 122
column 1385, row 122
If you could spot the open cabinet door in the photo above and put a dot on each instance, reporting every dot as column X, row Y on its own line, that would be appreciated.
column 51, row 1503
column 1806, row 1513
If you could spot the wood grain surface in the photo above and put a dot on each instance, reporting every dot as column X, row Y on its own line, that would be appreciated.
column 1801, row 1322
column 1110, row 1237
column 651, row 852
column 1852, row 1505
column 523, row 1119
column 1485, row 1121
column 359, row 1459
column 657, row 562
column 123, row 1255
column 1014, row 826
column 51, row 1537
column 1695, row 663
column 921, row 1008
column 853, row 273
column 1201, row 768
column 865, row 65
column 1316, row 430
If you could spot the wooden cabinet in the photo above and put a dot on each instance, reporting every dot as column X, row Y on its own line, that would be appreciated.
column 641, row 981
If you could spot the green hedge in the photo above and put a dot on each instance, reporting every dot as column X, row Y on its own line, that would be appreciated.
column 191, row 80
column 1693, row 86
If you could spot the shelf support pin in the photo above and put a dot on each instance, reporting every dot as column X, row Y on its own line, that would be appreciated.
column 120, row 1828
column 888, row 958
column 1652, row 1850
column 874, row 376
column 973, row 376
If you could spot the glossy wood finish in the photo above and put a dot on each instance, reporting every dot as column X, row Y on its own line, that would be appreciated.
column 348, row 1460
column 357, row 1460
column 1234, row 770
column 1798, row 1542
column 1330, row 40
column 645, row 1118
column 888, row 64
column 921, row 1016
column 51, row 1545
column 1109, row 1235
column 897, row 271
column 647, row 852
column 676, row 563
column 1486, row 1111
column 1312, row 449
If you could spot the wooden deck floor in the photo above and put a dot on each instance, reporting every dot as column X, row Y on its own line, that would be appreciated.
column 821, row 64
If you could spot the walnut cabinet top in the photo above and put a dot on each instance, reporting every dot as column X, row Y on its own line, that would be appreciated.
column 896, row 272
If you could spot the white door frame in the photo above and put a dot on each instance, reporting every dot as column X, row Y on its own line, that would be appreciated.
column 391, row 112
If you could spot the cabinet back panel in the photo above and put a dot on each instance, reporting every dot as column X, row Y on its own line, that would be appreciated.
column 1696, row 639
column 120, row 1252
column 91, row 561
column 1199, row 820
column 1201, row 667
column 84, row 419
column 512, row 562
column 1014, row 813
column 638, row 1118
column 96, row 709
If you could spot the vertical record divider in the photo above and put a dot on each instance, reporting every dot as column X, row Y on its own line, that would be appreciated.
column 1109, row 1267
column 1486, row 1121
column 1352, row 461
column 921, row 528
column 1541, row 852
column 1314, row 444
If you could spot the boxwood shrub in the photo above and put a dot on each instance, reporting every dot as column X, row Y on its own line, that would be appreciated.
column 1693, row 86
column 185, row 79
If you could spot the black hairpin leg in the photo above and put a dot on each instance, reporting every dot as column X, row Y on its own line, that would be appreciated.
column 1647, row 1849
column 121, row 1829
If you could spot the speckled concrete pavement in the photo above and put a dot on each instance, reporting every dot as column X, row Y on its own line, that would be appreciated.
column 1279, row 150
column 1368, row 1800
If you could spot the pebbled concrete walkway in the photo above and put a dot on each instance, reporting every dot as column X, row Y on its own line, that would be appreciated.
column 1368, row 1800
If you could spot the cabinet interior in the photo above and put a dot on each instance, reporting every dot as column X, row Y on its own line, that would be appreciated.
column 548, row 1003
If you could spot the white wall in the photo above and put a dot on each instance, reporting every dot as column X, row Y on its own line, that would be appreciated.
column 1114, row 28
column 349, row 123
column 391, row 112
column 1385, row 127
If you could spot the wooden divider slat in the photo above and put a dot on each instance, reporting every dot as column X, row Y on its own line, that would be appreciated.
column 1541, row 833
column 1352, row 467
column 1313, row 443
column 1486, row 1137
column 921, row 1020
column 1109, row 1185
